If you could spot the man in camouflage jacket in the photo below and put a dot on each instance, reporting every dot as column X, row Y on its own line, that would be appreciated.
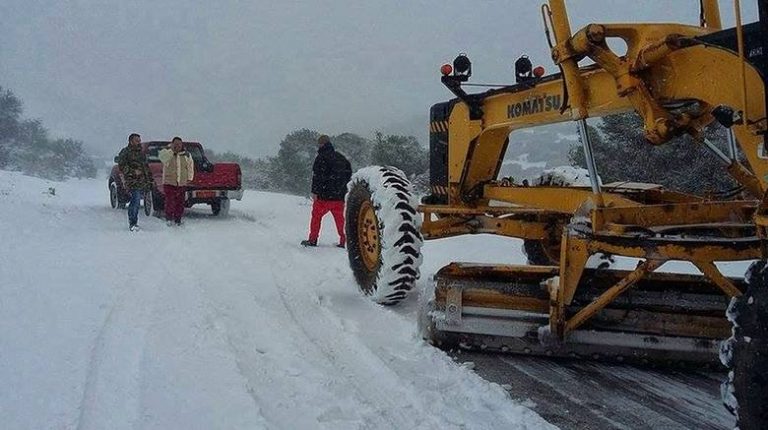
column 136, row 176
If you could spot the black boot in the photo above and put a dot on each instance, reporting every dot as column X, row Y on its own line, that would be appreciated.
column 308, row 243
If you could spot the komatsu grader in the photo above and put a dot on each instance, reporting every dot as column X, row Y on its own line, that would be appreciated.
column 679, row 79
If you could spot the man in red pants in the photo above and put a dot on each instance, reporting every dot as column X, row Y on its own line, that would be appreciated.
column 330, row 173
column 178, row 171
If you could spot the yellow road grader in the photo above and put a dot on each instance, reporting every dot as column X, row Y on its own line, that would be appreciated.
column 679, row 79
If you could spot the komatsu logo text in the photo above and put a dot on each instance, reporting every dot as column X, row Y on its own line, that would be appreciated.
column 543, row 103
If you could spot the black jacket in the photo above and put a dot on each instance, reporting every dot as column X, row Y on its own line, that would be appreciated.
column 330, row 174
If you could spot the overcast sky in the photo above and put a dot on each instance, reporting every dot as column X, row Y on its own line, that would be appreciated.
column 239, row 75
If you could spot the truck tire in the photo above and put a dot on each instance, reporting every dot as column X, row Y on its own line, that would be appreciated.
column 158, row 201
column 148, row 201
column 114, row 196
column 220, row 208
column 383, row 233
column 745, row 353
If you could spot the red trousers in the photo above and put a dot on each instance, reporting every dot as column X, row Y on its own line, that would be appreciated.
column 174, row 202
column 319, row 209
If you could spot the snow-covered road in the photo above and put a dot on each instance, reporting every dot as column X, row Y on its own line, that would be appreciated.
column 222, row 323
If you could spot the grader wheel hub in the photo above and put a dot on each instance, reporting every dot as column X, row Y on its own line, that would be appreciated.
column 368, row 235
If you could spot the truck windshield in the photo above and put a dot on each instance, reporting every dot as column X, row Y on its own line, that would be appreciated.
column 196, row 152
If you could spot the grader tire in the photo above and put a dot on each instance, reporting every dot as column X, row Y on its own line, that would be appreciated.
column 546, row 252
column 383, row 236
column 745, row 393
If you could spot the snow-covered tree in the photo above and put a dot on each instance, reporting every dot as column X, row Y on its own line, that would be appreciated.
column 622, row 154
column 25, row 145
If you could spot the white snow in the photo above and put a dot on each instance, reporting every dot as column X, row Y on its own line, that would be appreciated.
column 522, row 161
column 219, row 324
column 728, row 394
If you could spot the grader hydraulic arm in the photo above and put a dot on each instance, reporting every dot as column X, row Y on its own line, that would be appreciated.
column 666, row 66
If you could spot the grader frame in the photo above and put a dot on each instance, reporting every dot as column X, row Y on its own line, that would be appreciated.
column 666, row 66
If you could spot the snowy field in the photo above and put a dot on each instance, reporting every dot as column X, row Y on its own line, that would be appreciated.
column 219, row 324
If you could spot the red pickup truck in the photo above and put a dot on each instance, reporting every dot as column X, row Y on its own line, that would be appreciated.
column 213, row 184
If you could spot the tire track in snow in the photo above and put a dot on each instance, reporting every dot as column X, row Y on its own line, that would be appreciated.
column 237, row 344
column 372, row 393
column 436, row 400
column 380, row 403
column 94, row 362
column 238, row 359
column 236, row 355
column 362, row 369
column 391, row 419
column 109, row 389
column 186, row 267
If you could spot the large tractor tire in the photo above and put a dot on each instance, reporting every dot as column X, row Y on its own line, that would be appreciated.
column 745, row 353
column 383, row 233
column 546, row 252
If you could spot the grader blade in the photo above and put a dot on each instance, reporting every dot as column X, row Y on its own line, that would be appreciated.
column 664, row 319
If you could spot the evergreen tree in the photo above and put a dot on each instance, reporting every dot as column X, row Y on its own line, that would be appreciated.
column 403, row 152
column 292, row 171
column 357, row 149
column 622, row 154
column 256, row 173
column 10, row 118
column 25, row 145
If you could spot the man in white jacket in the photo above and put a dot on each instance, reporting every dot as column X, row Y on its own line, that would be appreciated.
column 178, row 172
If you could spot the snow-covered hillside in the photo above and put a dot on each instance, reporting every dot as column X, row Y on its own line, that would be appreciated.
column 219, row 324
column 531, row 150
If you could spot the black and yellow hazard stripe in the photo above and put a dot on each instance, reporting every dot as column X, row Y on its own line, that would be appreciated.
column 438, row 127
column 439, row 190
